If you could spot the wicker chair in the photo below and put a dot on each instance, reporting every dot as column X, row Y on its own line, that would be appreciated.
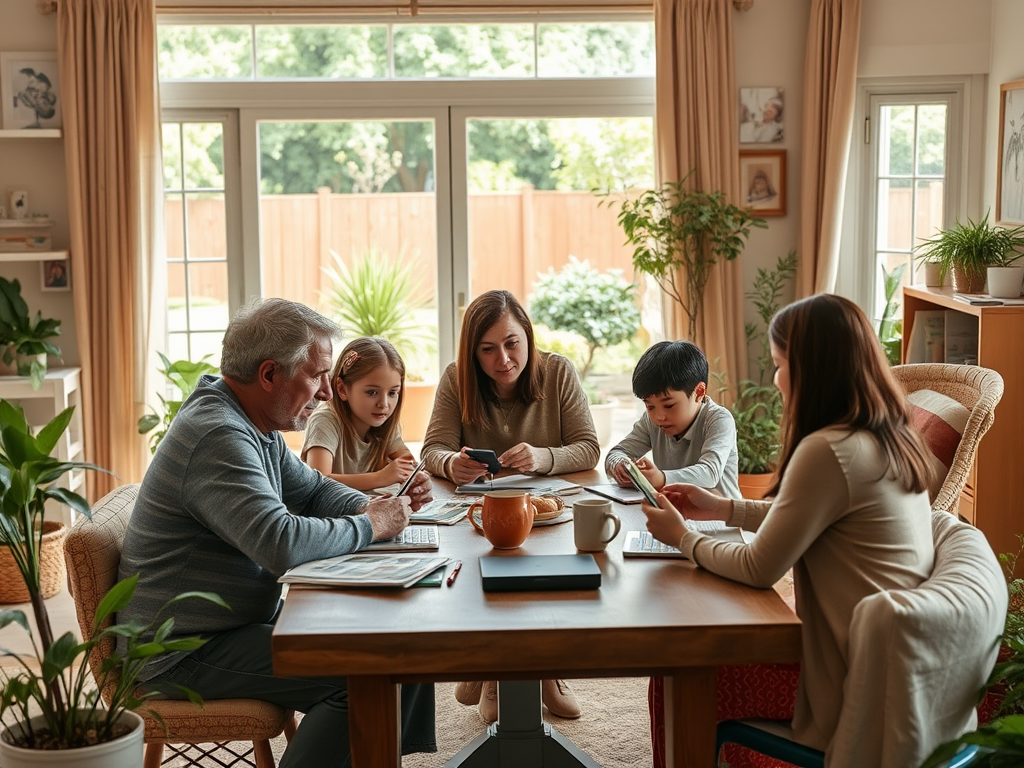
column 93, row 553
column 979, row 390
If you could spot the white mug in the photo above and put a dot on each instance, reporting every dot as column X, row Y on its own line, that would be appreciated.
column 590, row 521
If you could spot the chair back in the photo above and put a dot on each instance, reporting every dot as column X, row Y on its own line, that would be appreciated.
column 977, row 389
column 919, row 658
column 92, row 552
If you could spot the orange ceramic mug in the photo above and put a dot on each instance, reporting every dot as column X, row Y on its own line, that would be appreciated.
column 506, row 518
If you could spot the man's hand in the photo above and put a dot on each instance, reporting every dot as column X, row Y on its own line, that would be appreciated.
column 388, row 516
column 420, row 491
column 522, row 457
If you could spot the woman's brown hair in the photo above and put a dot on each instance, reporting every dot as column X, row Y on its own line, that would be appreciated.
column 838, row 376
column 475, row 385
column 357, row 360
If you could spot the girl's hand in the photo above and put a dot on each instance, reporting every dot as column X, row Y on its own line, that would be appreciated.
column 664, row 521
column 652, row 473
column 698, row 503
column 466, row 470
column 397, row 470
column 420, row 492
column 522, row 457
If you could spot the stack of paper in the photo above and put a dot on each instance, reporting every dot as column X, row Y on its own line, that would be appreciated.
column 442, row 511
column 384, row 570
column 533, row 483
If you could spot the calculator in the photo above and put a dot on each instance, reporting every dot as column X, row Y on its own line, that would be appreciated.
column 415, row 538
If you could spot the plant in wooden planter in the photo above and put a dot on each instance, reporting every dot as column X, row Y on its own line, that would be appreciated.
column 967, row 250
column 48, row 703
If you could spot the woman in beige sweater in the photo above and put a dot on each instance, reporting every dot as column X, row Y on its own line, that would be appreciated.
column 529, row 408
column 850, row 512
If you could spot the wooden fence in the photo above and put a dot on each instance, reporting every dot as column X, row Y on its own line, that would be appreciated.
column 513, row 236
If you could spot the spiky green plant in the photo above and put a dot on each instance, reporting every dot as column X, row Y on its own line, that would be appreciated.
column 972, row 247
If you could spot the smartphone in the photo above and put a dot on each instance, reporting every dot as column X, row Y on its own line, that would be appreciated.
column 641, row 482
column 409, row 480
column 490, row 458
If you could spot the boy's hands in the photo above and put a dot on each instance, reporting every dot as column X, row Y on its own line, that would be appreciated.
column 652, row 473
column 620, row 475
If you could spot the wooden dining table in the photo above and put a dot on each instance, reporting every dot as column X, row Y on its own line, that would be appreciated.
column 649, row 617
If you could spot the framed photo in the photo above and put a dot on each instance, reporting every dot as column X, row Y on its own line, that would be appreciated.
column 763, row 180
column 54, row 275
column 30, row 90
column 761, row 115
column 1010, row 173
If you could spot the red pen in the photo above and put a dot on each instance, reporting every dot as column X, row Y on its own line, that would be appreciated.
column 455, row 572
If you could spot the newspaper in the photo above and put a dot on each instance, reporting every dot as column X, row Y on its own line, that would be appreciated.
column 361, row 570
column 442, row 511
column 536, row 484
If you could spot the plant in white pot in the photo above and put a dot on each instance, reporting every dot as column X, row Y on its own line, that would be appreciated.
column 967, row 251
column 1006, row 276
column 25, row 336
column 49, row 702
column 599, row 307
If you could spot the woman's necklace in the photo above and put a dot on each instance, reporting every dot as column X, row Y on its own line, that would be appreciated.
column 505, row 415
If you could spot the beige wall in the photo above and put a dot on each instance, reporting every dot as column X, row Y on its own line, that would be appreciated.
column 1007, row 64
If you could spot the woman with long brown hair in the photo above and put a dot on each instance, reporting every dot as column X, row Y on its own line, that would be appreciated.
column 850, row 512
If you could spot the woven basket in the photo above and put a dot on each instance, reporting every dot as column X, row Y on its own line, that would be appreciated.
column 52, row 571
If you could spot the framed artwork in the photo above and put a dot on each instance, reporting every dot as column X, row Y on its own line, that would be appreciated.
column 30, row 90
column 760, row 115
column 763, row 180
column 54, row 275
column 1010, row 173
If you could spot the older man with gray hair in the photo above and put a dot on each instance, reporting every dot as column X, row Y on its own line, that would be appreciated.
column 226, row 507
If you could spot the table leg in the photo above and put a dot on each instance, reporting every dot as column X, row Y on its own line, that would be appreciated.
column 373, row 722
column 690, row 718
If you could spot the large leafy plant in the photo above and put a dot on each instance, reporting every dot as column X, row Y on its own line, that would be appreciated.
column 56, row 684
column 25, row 334
column 679, row 234
column 890, row 327
column 599, row 307
column 184, row 375
column 379, row 297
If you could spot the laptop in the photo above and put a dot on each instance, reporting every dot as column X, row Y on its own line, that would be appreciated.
column 415, row 538
column 643, row 544
column 516, row 573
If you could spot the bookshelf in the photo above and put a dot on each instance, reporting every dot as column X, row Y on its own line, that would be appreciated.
column 993, row 498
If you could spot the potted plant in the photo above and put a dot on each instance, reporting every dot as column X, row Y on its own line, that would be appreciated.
column 25, row 336
column 890, row 327
column 183, row 374
column 1005, row 276
column 679, row 234
column 49, row 703
column 967, row 250
column 757, row 409
column 379, row 297
column 598, row 307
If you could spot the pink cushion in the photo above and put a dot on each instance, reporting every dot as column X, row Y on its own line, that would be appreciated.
column 941, row 421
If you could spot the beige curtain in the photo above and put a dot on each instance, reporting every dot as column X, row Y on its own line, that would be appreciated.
column 107, row 54
column 830, row 81
column 696, row 128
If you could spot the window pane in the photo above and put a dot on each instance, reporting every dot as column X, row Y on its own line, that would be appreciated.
column 174, row 227
column 895, row 214
column 339, row 195
column 177, row 316
column 208, row 295
column 897, row 151
column 930, row 206
column 464, row 50
column 177, row 346
column 172, row 155
column 207, row 231
column 931, row 140
column 595, row 50
column 206, row 344
column 329, row 51
column 204, row 52
column 204, row 155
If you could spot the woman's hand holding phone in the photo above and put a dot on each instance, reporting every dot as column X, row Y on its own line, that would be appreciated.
column 698, row 503
column 465, row 470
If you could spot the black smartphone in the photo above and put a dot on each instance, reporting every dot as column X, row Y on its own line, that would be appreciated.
column 490, row 458
column 409, row 480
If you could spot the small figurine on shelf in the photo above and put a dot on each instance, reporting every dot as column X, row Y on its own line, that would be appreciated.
column 18, row 200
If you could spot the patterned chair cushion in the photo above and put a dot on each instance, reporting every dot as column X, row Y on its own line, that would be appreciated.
column 941, row 420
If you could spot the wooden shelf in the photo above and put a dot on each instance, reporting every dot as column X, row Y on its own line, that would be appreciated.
column 33, row 256
column 25, row 223
column 31, row 133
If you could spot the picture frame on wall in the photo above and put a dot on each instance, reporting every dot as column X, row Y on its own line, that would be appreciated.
column 30, row 89
column 761, row 113
column 55, row 275
column 1010, row 173
column 763, row 181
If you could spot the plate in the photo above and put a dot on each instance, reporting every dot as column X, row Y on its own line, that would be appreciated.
column 565, row 517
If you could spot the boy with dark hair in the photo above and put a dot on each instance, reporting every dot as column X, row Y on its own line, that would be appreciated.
column 693, row 440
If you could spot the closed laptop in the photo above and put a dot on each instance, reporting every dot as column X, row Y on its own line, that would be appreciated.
column 539, row 572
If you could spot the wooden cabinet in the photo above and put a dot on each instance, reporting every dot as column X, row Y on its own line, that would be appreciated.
column 61, row 389
column 993, row 498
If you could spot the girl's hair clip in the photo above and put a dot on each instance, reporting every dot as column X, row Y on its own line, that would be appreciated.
column 349, row 360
